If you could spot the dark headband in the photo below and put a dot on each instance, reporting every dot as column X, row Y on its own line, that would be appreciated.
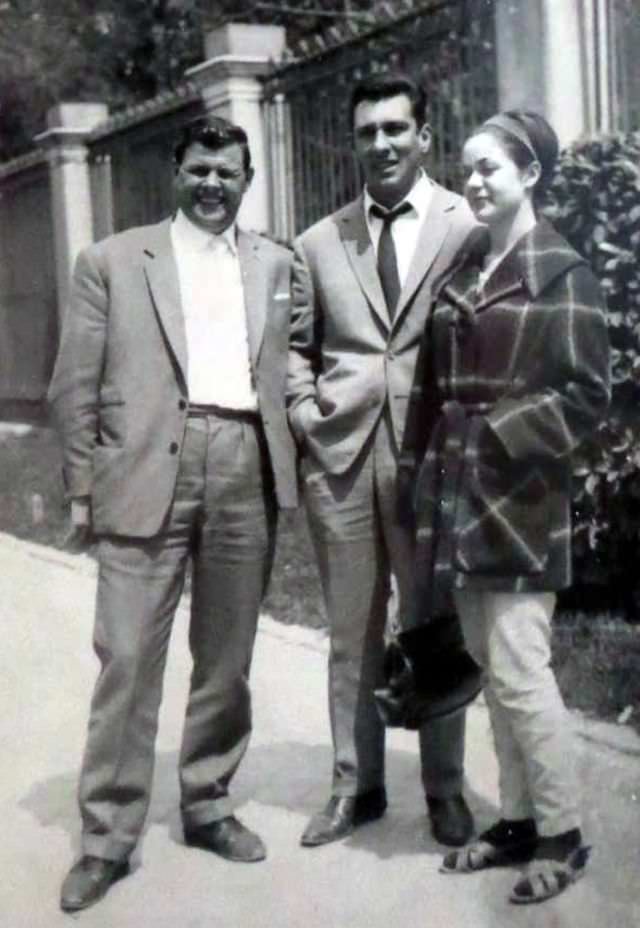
column 512, row 127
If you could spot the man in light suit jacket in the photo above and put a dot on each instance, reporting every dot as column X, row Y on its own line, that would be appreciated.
column 168, row 392
column 362, row 286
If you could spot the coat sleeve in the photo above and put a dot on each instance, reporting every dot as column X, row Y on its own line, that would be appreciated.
column 425, row 404
column 550, row 423
column 305, row 345
column 423, row 412
column 75, row 385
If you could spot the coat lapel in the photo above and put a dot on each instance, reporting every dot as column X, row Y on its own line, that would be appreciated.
column 535, row 260
column 461, row 290
column 463, row 293
column 162, row 277
column 255, row 291
column 430, row 240
column 357, row 243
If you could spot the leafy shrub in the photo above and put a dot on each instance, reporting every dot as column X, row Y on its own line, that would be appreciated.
column 596, row 664
column 595, row 203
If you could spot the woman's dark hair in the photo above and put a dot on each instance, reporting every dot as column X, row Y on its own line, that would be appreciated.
column 544, row 143
column 214, row 132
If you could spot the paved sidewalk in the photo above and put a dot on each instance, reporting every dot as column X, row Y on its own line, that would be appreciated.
column 384, row 876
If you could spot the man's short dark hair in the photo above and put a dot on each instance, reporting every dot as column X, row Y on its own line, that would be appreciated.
column 214, row 132
column 382, row 86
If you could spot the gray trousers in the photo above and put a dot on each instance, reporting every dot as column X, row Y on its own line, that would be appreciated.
column 223, row 519
column 359, row 545
column 509, row 635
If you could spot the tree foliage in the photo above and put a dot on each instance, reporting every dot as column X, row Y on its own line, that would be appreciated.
column 595, row 203
column 116, row 51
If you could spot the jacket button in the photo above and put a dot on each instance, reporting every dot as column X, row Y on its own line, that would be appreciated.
column 173, row 447
column 182, row 404
column 390, row 355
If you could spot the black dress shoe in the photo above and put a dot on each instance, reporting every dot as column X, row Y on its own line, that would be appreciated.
column 341, row 815
column 88, row 881
column 229, row 838
column 451, row 820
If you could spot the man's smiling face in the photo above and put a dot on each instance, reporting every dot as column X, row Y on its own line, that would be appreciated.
column 389, row 146
column 209, row 185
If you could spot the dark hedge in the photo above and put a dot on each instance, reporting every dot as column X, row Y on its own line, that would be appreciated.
column 595, row 203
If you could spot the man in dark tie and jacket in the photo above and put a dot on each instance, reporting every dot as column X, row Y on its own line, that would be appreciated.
column 168, row 392
column 362, row 287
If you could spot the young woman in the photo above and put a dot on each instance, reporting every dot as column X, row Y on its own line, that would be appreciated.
column 518, row 373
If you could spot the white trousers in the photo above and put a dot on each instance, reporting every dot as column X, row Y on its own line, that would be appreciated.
column 508, row 634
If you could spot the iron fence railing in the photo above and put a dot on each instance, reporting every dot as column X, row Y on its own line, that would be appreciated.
column 448, row 45
column 28, row 305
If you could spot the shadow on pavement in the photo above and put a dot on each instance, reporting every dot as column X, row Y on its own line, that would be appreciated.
column 290, row 775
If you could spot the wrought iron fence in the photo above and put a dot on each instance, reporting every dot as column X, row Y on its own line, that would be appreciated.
column 448, row 45
column 28, row 315
column 132, row 154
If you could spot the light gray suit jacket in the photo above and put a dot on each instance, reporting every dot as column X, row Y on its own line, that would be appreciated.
column 119, row 387
column 345, row 356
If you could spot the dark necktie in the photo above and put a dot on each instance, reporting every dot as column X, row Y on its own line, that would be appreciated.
column 387, row 261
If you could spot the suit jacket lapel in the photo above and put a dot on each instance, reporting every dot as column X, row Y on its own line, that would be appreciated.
column 432, row 235
column 162, row 276
column 357, row 243
column 255, row 291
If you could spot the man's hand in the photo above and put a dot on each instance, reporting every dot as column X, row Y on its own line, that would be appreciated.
column 80, row 535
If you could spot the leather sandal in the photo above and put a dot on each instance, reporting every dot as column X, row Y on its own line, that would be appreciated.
column 545, row 877
column 498, row 846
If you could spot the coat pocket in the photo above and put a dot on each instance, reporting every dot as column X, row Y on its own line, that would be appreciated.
column 111, row 419
column 311, row 472
column 107, row 468
column 503, row 522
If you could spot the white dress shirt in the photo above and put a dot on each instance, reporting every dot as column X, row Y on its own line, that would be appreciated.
column 210, row 278
column 406, row 228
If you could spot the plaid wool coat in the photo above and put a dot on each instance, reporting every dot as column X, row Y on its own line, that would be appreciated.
column 516, row 374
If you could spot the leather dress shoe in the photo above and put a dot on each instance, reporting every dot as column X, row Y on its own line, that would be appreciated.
column 341, row 815
column 88, row 881
column 229, row 838
column 451, row 820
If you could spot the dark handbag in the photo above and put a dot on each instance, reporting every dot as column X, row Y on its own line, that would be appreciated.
column 428, row 674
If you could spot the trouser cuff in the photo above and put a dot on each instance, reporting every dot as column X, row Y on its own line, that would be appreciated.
column 106, row 847
column 204, row 813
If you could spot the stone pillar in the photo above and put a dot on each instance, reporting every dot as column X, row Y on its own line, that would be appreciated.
column 237, row 55
column 600, row 65
column 65, row 142
column 566, row 91
column 520, row 74
column 281, row 148
column 542, row 62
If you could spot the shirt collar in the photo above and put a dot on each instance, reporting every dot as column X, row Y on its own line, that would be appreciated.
column 419, row 197
column 197, row 239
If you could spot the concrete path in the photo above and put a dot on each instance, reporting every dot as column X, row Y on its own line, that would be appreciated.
column 386, row 875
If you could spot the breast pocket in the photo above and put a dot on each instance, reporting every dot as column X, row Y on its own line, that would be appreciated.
column 503, row 522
